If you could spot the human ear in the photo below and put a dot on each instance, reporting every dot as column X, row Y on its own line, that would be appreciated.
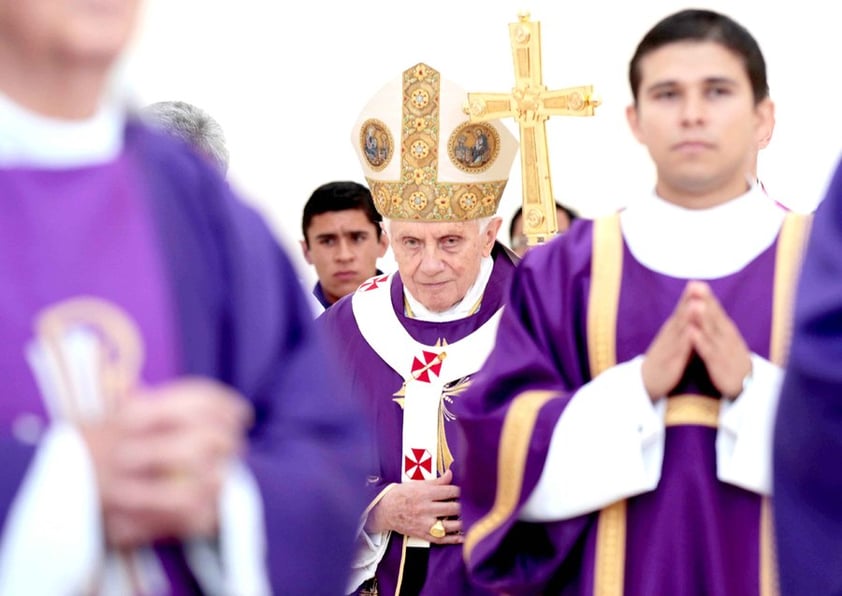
column 305, row 251
column 765, row 111
column 633, row 119
column 491, row 235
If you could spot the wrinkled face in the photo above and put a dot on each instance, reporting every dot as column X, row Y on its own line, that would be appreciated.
column 519, row 245
column 344, row 248
column 697, row 117
column 67, row 31
column 439, row 262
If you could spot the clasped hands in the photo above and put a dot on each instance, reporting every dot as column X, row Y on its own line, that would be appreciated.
column 698, row 325
column 160, row 460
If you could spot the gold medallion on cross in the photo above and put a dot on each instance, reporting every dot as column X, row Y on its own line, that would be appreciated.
column 530, row 103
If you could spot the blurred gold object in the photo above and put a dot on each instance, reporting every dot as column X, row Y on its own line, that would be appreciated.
column 119, row 352
column 437, row 529
column 531, row 104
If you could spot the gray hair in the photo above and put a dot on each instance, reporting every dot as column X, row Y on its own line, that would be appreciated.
column 193, row 125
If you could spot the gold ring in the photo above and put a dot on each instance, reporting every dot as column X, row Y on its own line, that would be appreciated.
column 437, row 530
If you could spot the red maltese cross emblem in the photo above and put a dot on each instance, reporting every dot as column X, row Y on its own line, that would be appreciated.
column 373, row 284
column 428, row 364
column 416, row 463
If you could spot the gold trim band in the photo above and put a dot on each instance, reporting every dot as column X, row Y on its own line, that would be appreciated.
column 511, row 462
column 603, row 302
column 692, row 410
column 789, row 255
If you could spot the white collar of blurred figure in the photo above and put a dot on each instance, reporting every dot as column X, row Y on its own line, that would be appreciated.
column 30, row 139
column 464, row 308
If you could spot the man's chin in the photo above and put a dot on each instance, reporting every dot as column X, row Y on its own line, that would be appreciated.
column 347, row 287
column 436, row 304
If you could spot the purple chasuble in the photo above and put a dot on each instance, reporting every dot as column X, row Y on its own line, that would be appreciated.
column 159, row 233
column 81, row 232
column 808, row 430
column 375, row 384
column 69, row 233
column 692, row 535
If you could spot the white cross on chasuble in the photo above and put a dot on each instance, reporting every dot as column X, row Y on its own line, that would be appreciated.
column 426, row 371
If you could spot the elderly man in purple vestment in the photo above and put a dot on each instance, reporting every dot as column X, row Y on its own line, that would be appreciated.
column 168, row 424
column 619, row 435
column 808, row 431
column 412, row 340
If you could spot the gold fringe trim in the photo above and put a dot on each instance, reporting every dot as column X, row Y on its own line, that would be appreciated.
column 514, row 446
column 789, row 255
column 603, row 301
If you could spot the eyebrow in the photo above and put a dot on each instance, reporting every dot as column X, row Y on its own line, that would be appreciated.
column 328, row 235
column 669, row 84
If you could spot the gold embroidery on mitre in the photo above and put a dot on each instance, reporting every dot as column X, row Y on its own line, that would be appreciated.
column 402, row 201
column 419, row 194
column 376, row 144
column 473, row 147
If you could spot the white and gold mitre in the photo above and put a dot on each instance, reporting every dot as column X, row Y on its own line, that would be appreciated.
column 423, row 159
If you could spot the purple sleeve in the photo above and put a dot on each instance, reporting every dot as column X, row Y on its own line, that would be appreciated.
column 306, row 448
column 808, row 432
column 349, row 351
column 15, row 460
column 539, row 350
column 244, row 320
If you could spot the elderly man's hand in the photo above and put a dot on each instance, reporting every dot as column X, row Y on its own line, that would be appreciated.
column 160, row 459
column 412, row 508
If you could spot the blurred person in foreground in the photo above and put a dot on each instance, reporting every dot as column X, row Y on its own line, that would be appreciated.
column 168, row 422
column 808, row 430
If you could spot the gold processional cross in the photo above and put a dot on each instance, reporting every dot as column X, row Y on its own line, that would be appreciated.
column 531, row 104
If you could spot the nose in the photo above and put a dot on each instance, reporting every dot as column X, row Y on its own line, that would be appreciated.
column 344, row 252
column 693, row 110
column 431, row 263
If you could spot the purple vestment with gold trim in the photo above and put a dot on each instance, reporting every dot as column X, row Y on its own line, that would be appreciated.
column 376, row 385
column 692, row 535
column 160, row 234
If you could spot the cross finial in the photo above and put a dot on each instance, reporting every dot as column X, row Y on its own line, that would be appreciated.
column 531, row 104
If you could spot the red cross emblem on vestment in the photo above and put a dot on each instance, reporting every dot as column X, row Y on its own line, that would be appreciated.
column 372, row 284
column 416, row 463
column 429, row 363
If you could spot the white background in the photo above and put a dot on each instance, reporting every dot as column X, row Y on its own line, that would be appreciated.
column 286, row 81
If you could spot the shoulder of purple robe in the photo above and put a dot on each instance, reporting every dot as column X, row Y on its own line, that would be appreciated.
column 508, row 414
column 245, row 321
column 808, row 432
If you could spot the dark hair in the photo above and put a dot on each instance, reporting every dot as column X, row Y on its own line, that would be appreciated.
column 570, row 213
column 704, row 25
column 340, row 196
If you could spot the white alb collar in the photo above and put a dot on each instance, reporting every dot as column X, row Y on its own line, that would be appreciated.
column 32, row 140
column 701, row 243
column 463, row 308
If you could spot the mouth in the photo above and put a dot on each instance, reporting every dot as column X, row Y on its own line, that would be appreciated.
column 692, row 146
column 433, row 285
column 345, row 275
